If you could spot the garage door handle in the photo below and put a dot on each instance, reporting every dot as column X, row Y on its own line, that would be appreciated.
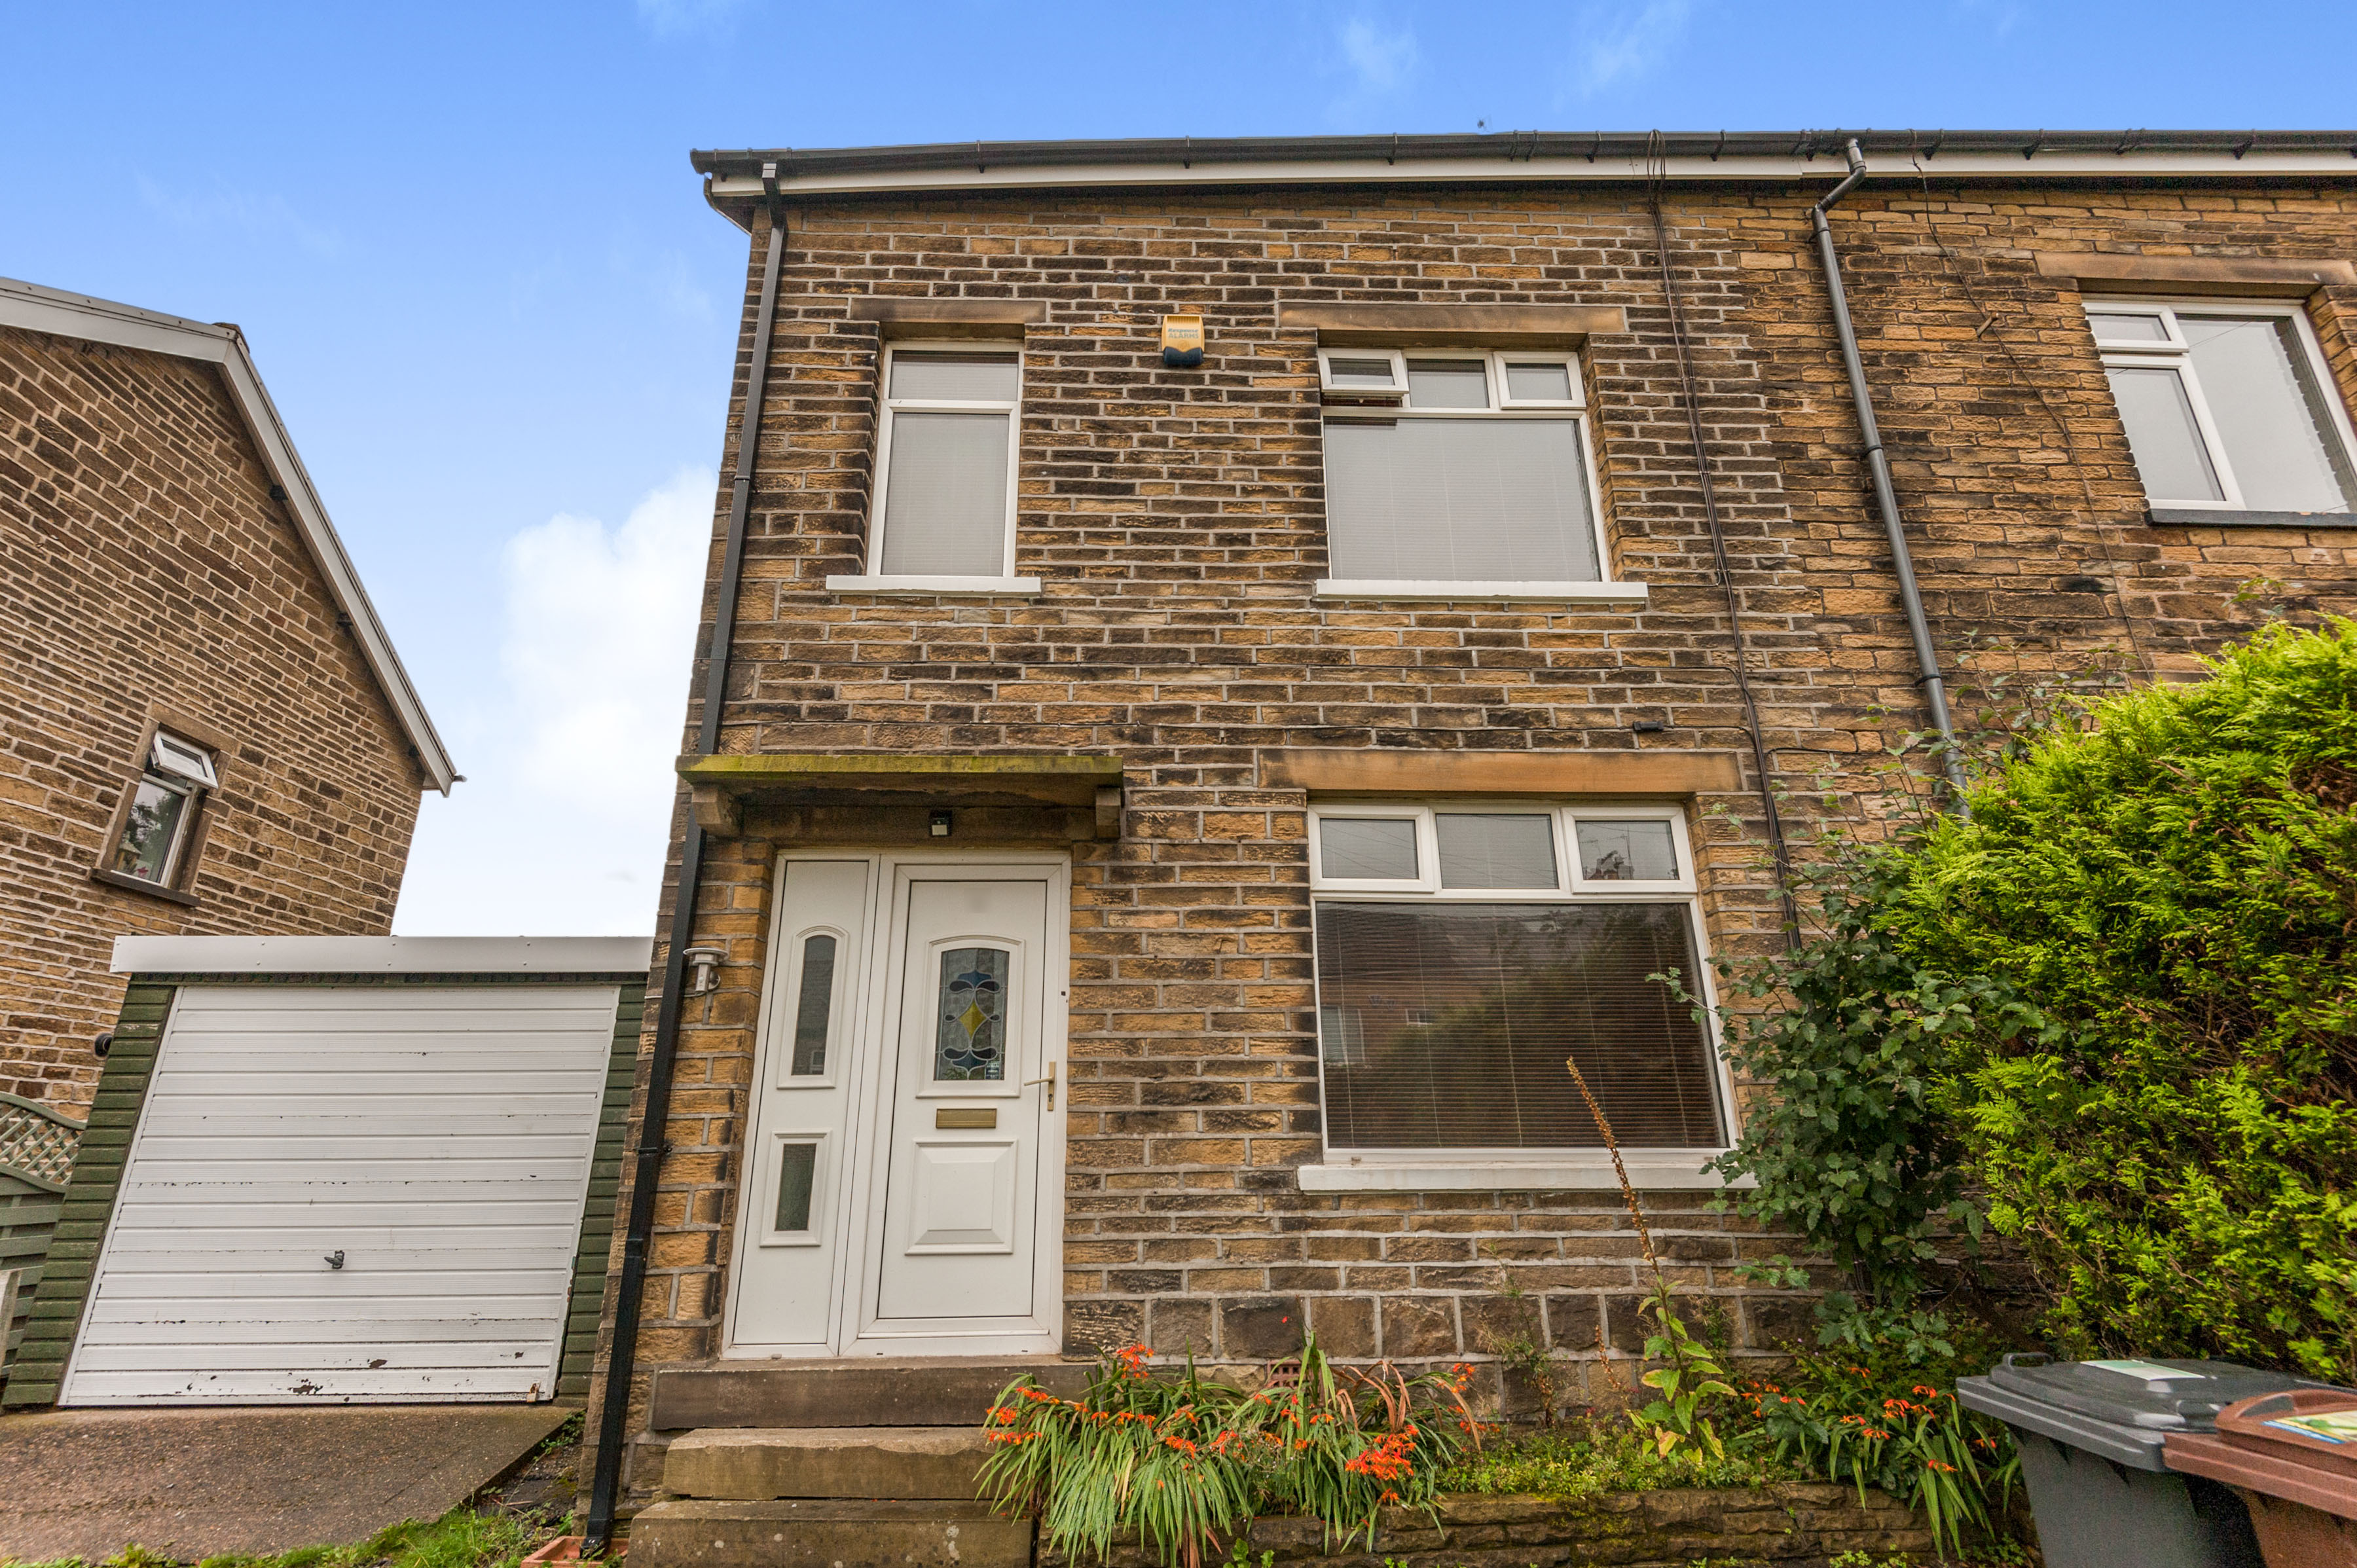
column 335, row 1259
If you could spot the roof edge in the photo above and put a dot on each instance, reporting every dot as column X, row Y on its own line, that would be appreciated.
column 1515, row 154
column 36, row 308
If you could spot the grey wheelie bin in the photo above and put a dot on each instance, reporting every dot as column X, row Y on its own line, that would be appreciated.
column 2090, row 1434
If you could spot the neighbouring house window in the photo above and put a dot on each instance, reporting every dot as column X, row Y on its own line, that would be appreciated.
column 945, row 465
column 1464, row 952
column 161, row 816
column 2227, row 405
column 1457, row 466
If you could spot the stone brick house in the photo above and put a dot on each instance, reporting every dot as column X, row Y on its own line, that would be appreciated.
column 203, row 727
column 1159, row 825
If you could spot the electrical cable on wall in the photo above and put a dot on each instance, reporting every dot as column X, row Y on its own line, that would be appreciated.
column 1990, row 325
column 1656, row 173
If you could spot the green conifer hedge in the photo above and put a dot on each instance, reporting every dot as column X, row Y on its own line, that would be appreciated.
column 2172, row 891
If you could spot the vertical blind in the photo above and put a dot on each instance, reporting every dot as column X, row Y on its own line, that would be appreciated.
column 945, row 499
column 1458, row 500
column 1446, row 1026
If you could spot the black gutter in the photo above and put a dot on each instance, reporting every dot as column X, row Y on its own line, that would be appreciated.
column 1886, row 497
column 622, row 1356
column 1630, row 146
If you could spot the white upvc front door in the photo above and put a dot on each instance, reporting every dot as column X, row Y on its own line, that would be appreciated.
column 904, row 1166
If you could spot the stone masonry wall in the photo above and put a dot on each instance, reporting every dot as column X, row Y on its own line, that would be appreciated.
column 1174, row 518
column 145, row 569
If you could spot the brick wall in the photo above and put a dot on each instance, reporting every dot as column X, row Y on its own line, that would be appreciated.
column 1174, row 518
column 144, row 568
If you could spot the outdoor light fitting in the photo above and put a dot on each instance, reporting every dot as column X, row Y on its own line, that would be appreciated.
column 706, row 962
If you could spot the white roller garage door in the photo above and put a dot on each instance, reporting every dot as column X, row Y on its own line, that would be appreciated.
column 438, row 1139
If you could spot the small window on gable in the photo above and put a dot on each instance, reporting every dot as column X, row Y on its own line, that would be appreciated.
column 1464, row 468
column 2227, row 405
column 159, row 820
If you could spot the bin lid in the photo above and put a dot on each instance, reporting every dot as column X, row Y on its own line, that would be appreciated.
column 2312, row 1431
column 2213, row 1454
column 2121, row 1410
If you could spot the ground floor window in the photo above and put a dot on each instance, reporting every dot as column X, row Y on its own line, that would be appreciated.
column 1464, row 954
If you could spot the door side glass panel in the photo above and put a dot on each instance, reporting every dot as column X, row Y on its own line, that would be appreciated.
column 970, row 1016
column 815, row 1006
column 797, row 1174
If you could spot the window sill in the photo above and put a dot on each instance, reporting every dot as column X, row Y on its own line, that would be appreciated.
column 1619, row 596
column 938, row 587
column 1647, row 1172
column 2206, row 517
column 152, row 889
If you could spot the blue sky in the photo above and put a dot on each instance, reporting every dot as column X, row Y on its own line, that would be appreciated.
column 481, row 282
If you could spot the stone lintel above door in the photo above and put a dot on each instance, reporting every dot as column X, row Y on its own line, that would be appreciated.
column 721, row 787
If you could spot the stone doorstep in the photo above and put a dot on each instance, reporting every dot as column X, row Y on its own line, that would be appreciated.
column 873, row 1391
column 759, row 1464
column 697, row 1532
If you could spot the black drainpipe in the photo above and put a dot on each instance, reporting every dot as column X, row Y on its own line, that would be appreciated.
column 1927, row 658
column 613, row 1414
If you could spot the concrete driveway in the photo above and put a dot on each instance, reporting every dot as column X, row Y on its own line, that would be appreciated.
column 199, row 1483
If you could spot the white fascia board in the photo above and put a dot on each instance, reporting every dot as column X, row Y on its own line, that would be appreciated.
column 930, row 587
column 1622, row 596
column 1654, row 1171
column 382, row 955
column 38, row 309
column 1576, row 170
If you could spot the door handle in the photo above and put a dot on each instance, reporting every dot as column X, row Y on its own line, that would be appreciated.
column 1049, row 1080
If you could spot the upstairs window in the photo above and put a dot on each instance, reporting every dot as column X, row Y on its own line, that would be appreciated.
column 2227, row 405
column 1464, row 952
column 159, row 818
column 1452, row 467
column 945, row 463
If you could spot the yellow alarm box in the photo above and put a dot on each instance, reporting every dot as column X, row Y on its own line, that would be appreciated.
column 1182, row 341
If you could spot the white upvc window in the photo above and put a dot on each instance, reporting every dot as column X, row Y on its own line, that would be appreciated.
column 2227, row 405
column 159, row 820
column 1463, row 952
column 1461, row 474
column 943, row 514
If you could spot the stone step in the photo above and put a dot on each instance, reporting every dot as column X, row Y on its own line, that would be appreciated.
column 758, row 1464
column 698, row 1533
column 943, row 1391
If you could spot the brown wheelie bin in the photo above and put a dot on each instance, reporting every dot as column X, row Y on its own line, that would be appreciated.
column 2292, row 1457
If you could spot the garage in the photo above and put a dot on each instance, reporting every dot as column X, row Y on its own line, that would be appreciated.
column 349, row 1169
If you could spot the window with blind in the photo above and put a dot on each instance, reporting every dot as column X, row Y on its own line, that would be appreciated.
column 1456, row 465
column 1463, row 954
column 945, row 468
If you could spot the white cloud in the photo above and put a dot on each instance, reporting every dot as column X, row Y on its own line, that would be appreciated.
column 560, row 826
column 1382, row 58
column 595, row 647
column 1620, row 45
column 255, row 216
